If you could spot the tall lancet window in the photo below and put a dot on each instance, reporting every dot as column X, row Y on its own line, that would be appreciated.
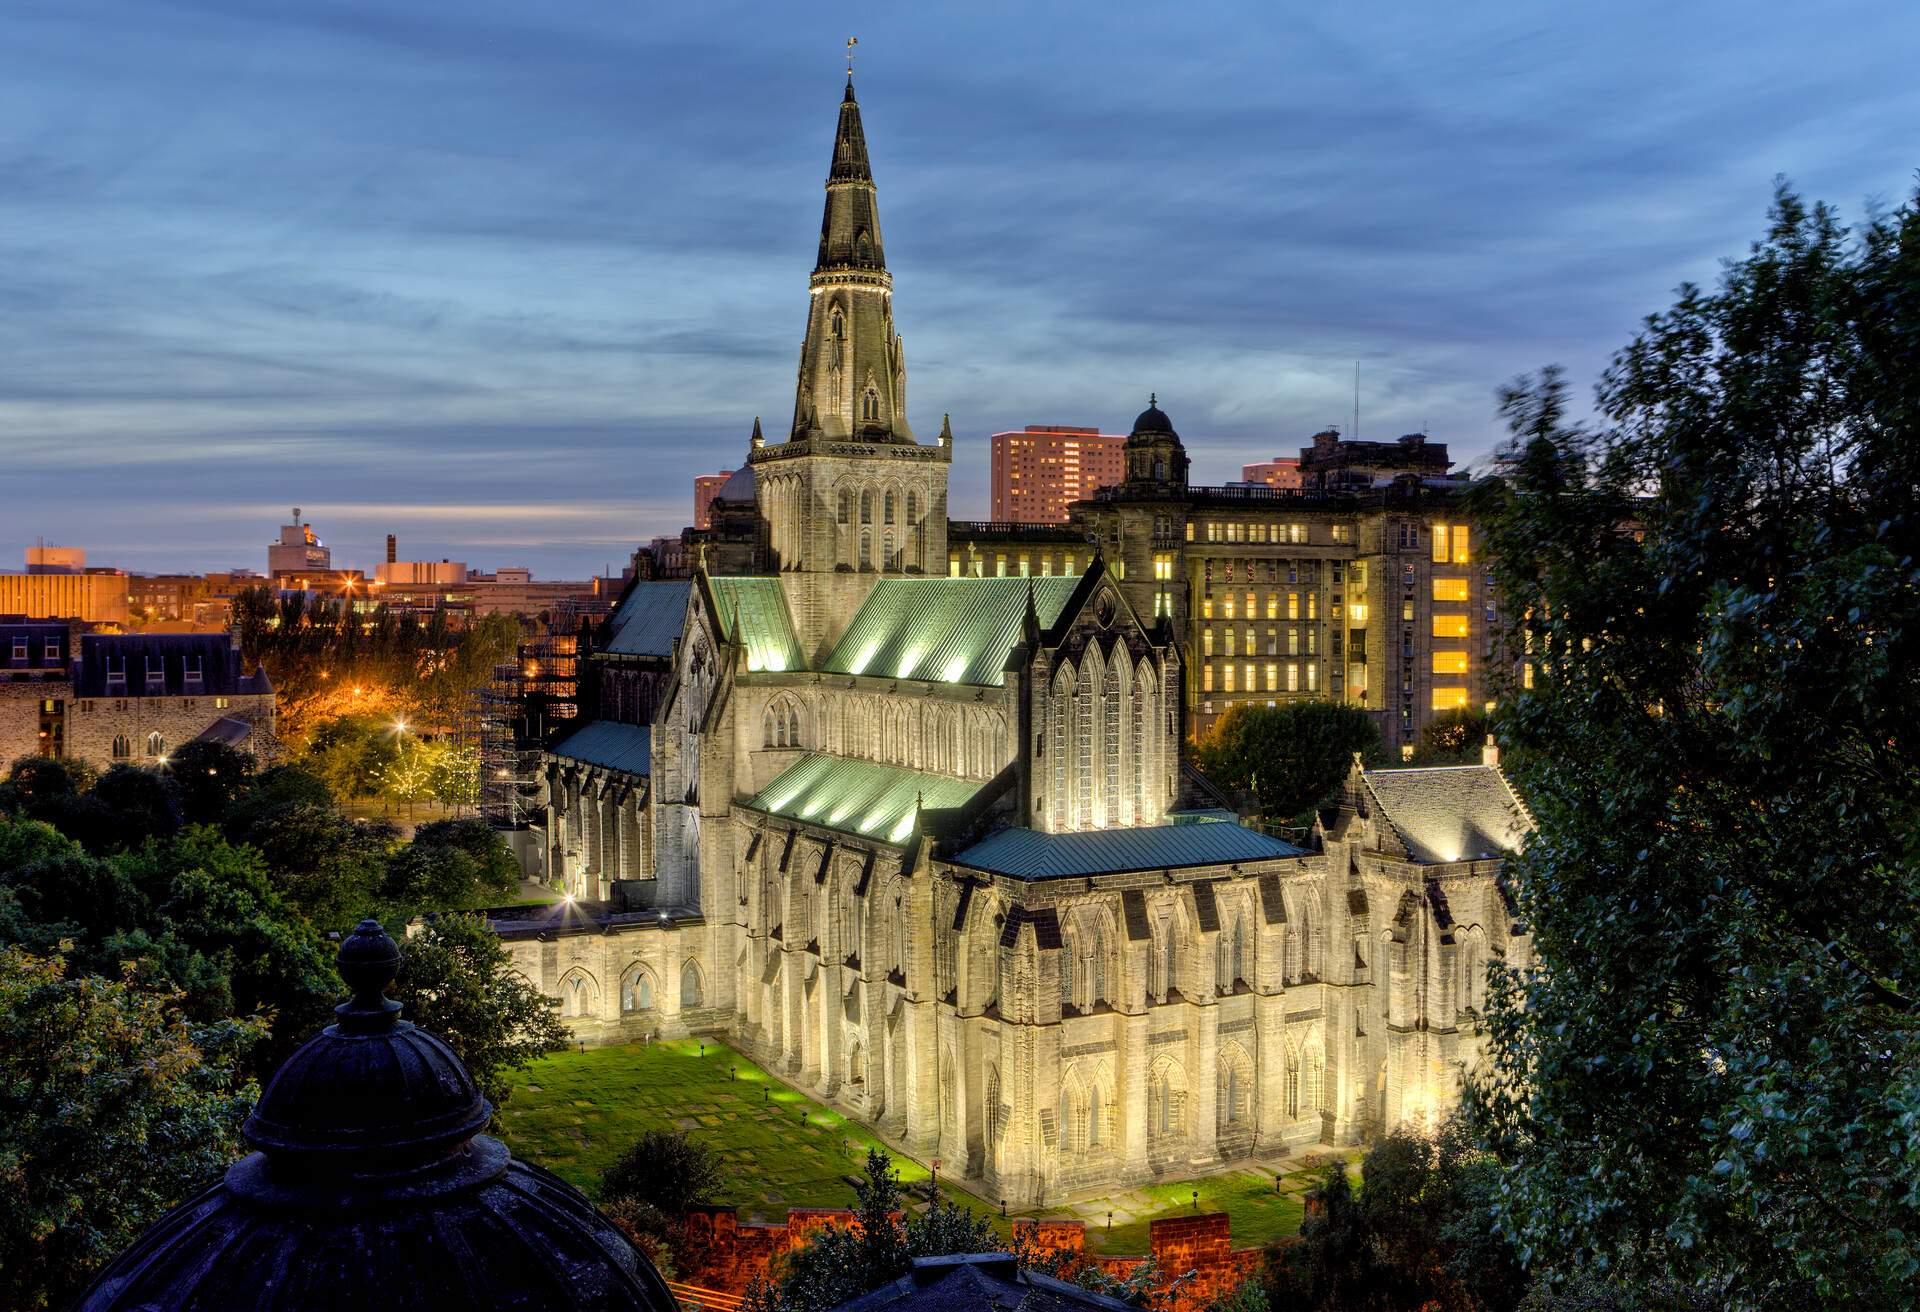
column 870, row 405
column 1111, row 748
column 1059, row 746
column 1140, row 757
column 1084, row 730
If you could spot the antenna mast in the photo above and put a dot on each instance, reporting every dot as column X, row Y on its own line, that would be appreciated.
column 1356, row 401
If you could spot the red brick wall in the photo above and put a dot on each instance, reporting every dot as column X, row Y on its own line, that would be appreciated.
column 734, row 1255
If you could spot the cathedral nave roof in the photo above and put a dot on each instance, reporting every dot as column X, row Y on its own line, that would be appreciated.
column 945, row 630
column 650, row 618
column 624, row 747
column 1031, row 854
column 859, row 797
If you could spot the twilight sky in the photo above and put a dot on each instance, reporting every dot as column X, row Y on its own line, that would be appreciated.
column 502, row 277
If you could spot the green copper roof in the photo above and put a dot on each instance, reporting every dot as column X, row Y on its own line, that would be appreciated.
column 857, row 797
column 765, row 628
column 944, row 630
column 1030, row 854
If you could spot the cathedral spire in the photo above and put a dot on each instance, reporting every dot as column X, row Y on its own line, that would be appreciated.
column 853, row 370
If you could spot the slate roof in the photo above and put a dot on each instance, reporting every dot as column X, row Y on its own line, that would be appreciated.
column 1450, row 813
column 650, row 618
column 625, row 747
column 858, row 797
column 739, row 486
column 1030, row 854
column 235, row 733
column 966, row 1282
column 761, row 606
column 174, row 655
column 944, row 630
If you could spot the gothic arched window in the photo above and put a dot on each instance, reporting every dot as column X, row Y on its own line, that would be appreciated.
column 122, row 748
column 870, row 405
column 156, row 744
column 846, row 505
column 913, row 508
column 638, row 993
column 690, row 996
column 839, row 325
column 889, row 506
column 866, row 507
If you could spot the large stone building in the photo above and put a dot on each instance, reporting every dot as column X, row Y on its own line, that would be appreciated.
column 926, row 845
column 115, row 698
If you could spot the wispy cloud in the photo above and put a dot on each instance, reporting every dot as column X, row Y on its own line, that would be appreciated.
column 502, row 278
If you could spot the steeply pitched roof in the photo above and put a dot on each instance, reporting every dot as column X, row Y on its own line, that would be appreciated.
column 212, row 656
column 626, row 747
column 966, row 1282
column 858, row 797
column 944, row 630
column 1030, row 854
column 1452, row 813
column 650, row 618
column 235, row 733
column 765, row 627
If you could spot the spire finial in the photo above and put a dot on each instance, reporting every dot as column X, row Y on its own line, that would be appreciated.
column 946, row 430
column 852, row 41
column 1153, row 398
column 368, row 961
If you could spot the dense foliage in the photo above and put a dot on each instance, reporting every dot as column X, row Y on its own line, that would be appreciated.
column 457, row 980
column 652, row 1183
column 113, row 1106
column 1289, row 757
column 1711, row 1074
column 1418, row 1238
column 327, row 659
column 1454, row 737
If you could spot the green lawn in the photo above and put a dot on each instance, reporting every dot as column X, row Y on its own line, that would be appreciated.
column 575, row 1111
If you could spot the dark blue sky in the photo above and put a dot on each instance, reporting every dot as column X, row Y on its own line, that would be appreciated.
column 500, row 278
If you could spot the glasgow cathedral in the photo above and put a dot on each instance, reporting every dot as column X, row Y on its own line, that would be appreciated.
column 928, row 847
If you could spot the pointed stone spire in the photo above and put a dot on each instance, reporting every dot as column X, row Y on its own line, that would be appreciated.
column 853, row 369
column 946, row 430
column 759, row 439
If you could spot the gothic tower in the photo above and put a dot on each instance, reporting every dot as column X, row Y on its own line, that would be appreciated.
column 850, row 495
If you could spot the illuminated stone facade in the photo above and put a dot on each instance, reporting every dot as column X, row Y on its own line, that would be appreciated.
column 925, row 844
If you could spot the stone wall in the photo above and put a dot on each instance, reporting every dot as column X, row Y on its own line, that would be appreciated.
column 93, row 723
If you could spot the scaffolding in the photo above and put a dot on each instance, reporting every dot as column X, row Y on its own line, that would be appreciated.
column 528, row 704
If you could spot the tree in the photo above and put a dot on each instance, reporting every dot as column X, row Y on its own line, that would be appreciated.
column 1711, row 1069
column 196, row 912
column 113, row 1108
column 1418, row 1238
column 649, row 1187
column 451, row 865
column 457, row 980
column 1292, row 756
column 1453, row 738
column 207, row 777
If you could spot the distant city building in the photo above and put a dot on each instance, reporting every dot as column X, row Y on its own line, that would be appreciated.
column 45, row 559
column 704, row 488
column 430, row 573
column 1360, row 585
column 1041, row 470
column 298, row 550
column 113, row 698
column 1281, row 471
column 57, row 585
column 1334, row 464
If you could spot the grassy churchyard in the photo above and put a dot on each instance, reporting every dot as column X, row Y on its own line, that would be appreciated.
column 574, row 1112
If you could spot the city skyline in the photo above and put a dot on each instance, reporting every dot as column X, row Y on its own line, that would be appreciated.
column 505, row 290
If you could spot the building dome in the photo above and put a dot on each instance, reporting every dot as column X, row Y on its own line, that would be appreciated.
column 373, row 1188
column 1152, row 420
column 738, row 487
